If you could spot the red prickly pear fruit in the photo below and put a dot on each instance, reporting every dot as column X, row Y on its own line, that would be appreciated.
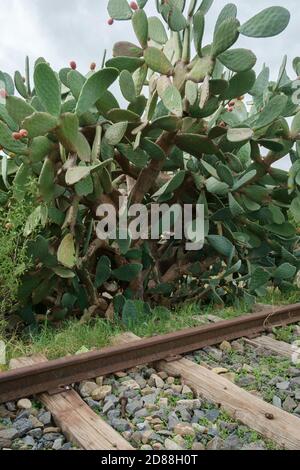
column 3, row 93
column 222, row 124
column 93, row 66
column 231, row 104
column 23, row 133
column 110, row 21
column 73, row 65
column 134, row 6
column 16, row 136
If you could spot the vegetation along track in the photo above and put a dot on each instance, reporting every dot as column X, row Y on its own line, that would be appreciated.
column 238, row 391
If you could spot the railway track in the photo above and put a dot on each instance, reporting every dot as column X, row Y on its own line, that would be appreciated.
column 234, row 388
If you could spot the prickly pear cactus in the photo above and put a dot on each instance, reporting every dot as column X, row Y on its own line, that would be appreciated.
column 195, row 125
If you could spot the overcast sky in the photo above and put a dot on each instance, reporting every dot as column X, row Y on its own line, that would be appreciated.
column 64, row 30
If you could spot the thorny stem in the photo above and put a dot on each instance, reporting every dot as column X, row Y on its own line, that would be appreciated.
column 149, row 174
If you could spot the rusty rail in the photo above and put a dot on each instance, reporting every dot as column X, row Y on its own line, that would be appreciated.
column 53, row 375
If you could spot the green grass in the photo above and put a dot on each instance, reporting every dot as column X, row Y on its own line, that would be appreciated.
column 285, row 334
column 14, row 260
column 71, row 336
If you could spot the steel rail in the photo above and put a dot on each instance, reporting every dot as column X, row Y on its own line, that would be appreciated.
column 56, row 374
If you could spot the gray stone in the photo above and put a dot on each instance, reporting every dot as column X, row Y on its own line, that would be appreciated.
column 171, row 445
column 45, row 417
column 163, row 402
column 161, row 413
column 140, row 380
column 213, row 432
column 275, row 380
column 146, row 447
column 108, row 407
column 156, row 381
column 29, row 441
column 111, row 398
column 297, row 395
column 121, row 425
column 131, row 385
column 212, row 415
column 184, row 413
column 10, row 406
column 58, row 443
column 144, row 426
column 9, row 433
column 215, row 353
column 231, row 427
column 149, row 399
column 232, row 443
column 137, row 437
column 246, row 381
column 23, row 414
column 277, row 402
column 289, row 404
column 36, row 433
column 177, row 389
column 134, row 406
column 189, row 404
column 67, row 446
column 295, row 382
column 141, row 413
column 129, row 393
column 157, row 438
column 294, row 372
column 215, row 444
column 283, row 385
column 187, row 391
column 86, row 388
column 259, row 445
column 173, row 421
column 23, row 426
column 198, row 414
column 114, row 414
column 95, row 405
column 199, row 429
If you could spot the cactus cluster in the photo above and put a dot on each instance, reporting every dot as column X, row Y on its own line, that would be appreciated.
column 199, row 127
